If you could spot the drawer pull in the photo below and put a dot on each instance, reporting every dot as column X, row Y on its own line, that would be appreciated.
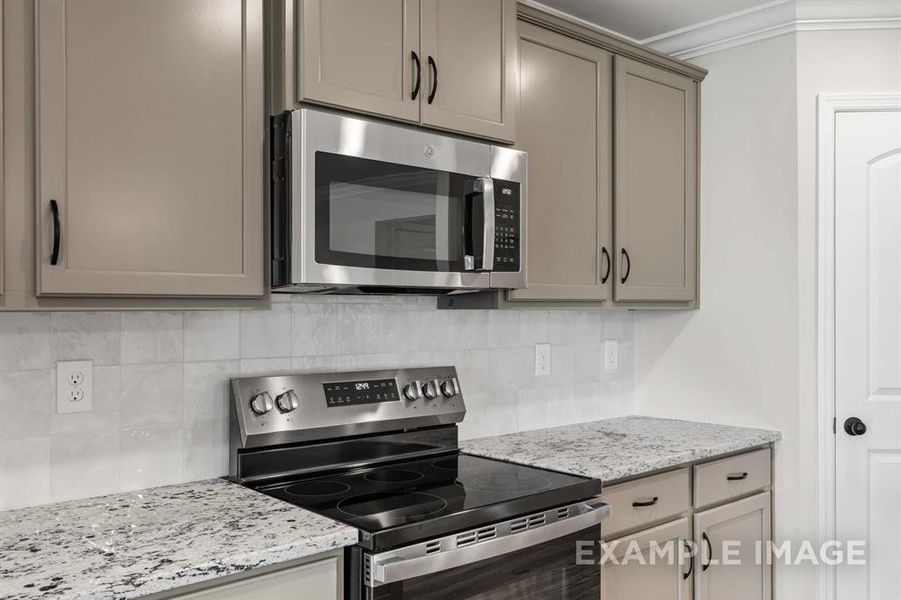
column 739, row 477
column 645, row 503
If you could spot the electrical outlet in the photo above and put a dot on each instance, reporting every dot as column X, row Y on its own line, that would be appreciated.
column 542, row 360
column 74, row 386
column 611, row 354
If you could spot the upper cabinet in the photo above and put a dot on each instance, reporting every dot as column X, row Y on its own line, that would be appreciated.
column 469, row 54
column 565, row 126
column 151, row 148
column 447, row 64
column 612, row 135
column 656, row 183
column 362, row 55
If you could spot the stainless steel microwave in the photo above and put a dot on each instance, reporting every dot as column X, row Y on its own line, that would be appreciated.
column 360, row 206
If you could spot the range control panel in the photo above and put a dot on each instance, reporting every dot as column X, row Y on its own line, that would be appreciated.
column 344, row 393
column 280, row 409
column 507, row 225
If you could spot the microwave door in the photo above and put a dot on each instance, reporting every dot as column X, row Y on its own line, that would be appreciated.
column 479, row 225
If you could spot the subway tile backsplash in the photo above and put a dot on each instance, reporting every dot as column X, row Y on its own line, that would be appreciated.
column 160, row 379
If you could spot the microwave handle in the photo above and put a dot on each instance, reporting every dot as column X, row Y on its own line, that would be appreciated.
column 488, row 235
column 483, row 186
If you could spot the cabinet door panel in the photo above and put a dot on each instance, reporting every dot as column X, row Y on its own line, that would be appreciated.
column 151, row 140
column 320, row 580
column 660, row 578
column 656, row 183
column 2, row 178
column 744, row 524
column 473, row 45
column 358, row 54
column 564, row 125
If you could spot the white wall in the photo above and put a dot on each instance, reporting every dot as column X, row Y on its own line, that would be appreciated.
column 749, row 355
column 735, row 360
column 161, row 394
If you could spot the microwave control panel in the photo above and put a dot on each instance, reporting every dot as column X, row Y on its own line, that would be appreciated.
column 507, row 226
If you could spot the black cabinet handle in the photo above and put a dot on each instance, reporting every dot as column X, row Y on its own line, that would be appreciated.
column 739, row 477
column 434, row 68
column 854, row 426
column 418, row 75
column 706, row 565
column 691, row 560
column 606, row 256
column 645, row 503
column 54, row 212
column 628, row 266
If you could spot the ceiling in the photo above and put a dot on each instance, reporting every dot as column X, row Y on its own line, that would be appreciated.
column 643, row 19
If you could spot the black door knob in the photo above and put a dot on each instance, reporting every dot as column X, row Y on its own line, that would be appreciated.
column 854, row 426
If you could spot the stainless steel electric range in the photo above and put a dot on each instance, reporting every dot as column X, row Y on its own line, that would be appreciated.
column 378, row 450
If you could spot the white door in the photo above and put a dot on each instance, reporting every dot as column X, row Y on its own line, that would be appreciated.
column 868, row 349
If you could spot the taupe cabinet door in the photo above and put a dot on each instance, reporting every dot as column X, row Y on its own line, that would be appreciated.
column 447, row 64
column 150, row 131
column 565, row 126
column 2, row 143
column 469, row 64
column 743, row 525
column 656, row 183
column 359, row 54
column 650, row 576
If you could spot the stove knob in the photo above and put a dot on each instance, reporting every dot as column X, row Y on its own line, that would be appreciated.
column 450, row 388
column 412, row 391
column 261, row 403
column 430, row 389
column 287, row 401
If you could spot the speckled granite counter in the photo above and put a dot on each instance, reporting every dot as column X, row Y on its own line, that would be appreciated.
column 619, row 448
column 131, row 544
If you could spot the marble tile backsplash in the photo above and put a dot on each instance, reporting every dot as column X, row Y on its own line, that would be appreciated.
column 160, row 379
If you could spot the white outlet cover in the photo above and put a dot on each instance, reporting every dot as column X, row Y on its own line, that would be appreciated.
column 542, row 360
column 611, row 354
column 72, row 397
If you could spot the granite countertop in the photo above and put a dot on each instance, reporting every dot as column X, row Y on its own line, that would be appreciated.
column 615, row 449
column 135, row 543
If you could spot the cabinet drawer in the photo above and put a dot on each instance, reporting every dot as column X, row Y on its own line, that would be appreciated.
column 731, row 477
column 645, row 501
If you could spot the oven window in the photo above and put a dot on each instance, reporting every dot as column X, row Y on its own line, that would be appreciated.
column 383, row 215
column 544, row 572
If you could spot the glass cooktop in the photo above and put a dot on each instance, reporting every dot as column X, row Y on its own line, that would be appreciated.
column 429, row 490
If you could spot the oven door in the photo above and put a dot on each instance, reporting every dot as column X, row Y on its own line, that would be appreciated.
column 384, row 205
column 555, row 561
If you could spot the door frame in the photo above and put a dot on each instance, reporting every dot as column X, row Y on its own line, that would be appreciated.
column 828, row 106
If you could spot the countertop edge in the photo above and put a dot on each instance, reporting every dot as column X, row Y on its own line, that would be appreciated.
column 240, row 564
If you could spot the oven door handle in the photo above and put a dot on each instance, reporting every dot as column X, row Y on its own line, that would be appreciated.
column 391, row 569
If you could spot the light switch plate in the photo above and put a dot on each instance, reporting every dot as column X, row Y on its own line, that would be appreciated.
column 611, row 354
column 74, row 386
column 542, row 360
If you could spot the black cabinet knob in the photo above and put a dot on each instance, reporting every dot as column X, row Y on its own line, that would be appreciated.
column 854, row 426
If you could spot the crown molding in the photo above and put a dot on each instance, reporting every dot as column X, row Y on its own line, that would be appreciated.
column 772, row 19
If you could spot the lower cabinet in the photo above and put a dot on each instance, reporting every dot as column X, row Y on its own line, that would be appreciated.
column 320, row 580
column 698, row 533
column 637, row 571
column 738, row 528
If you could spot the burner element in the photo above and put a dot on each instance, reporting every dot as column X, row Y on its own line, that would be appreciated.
column 391, row 509
column 507, row 482
column 317, row 488
column 446, row 464
column 393, row 476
